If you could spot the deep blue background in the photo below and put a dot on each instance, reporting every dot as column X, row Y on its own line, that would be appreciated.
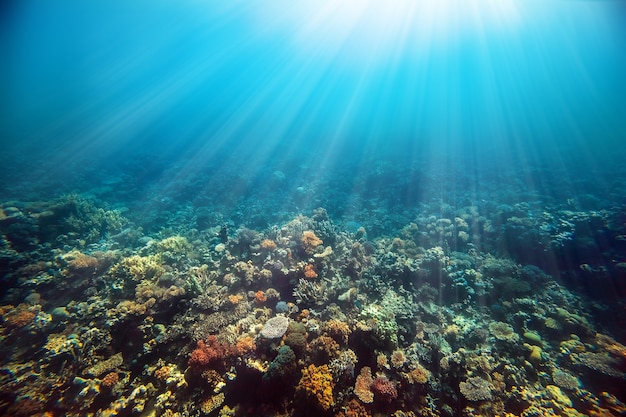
column 104, row 84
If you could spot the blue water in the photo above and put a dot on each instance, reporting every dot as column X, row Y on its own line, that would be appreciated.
column 210, row 119
column 91, row 83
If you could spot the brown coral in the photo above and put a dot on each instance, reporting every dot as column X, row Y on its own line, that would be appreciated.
column 338, row 330
column 476, row 389
column 397, row 359
column 354, row 409
column 419, row 375
column 162, row 373
column 324, row 348
column 81, row 264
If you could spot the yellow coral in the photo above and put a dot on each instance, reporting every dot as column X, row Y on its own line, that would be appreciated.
column 212, row 403
column 138, row 268
column 419, row 375
column 317, row 384
column 557, row 395
column 535, row 353
column 174, row 244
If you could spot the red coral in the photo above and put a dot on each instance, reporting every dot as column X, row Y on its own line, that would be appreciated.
column 384, row 389
column 208, row 352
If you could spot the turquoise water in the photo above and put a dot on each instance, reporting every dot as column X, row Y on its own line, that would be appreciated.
column 462, row 161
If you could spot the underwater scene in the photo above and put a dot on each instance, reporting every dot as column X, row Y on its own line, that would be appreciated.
column 313, row 208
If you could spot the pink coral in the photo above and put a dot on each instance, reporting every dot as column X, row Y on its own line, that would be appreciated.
column 384, row 389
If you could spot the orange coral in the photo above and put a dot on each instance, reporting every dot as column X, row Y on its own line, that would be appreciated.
column 82, row 264
column 110, row 379
column 245, row 345
column 268, row 244
column 260, row 298
column 212, row 352
column 304, row 314
column 162, row 373
column 363, row 384
column 235, row 299
column 309, row 271
column 310, row 241
column 317, row 384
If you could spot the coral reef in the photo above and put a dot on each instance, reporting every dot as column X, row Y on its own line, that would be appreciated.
column 303, row 317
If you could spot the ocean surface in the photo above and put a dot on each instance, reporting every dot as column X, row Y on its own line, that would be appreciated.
column 313, row 208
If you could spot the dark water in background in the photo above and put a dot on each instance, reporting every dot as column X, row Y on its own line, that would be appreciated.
column 185, row 116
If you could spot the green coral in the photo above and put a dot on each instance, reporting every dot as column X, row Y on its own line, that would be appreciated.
column 174, row 249
column 83, row 218
column 283, row 365
column 383, row 323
